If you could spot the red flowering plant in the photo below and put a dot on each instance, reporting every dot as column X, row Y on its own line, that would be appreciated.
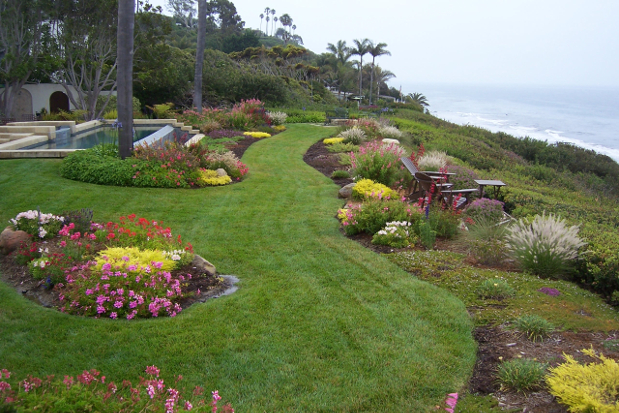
column 90, row 388
column 170, row 166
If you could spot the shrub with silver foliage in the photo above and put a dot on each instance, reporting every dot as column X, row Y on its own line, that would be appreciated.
column 277, row 118
column 545, row 246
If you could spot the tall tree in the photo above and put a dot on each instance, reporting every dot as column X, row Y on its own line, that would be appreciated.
column 340, row 50
column 274, row 23
column 286, row 21
column 183, row 11
column 20, row 32
column 360, row 49
column 261, row 17
column 382, row 76
column 417, row 98
column 267, row 11
column 197, row 83
column 273, row 20
column 85, row 34
column 126, row 22
column 376, row 50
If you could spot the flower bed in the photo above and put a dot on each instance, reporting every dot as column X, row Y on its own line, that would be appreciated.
column 130, row 268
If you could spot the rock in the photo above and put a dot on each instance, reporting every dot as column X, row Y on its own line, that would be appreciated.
column 221, row 172
column 203, row 265
column 388, row 141
column 10, row 240
column 346, row 192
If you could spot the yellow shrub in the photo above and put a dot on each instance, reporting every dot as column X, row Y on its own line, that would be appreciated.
column 331, row 141
column 122, row 258
column 592, row 387
column 257, row 135
column 210, row 178
column 366, row 188
column 279, row 128
column 341, row 214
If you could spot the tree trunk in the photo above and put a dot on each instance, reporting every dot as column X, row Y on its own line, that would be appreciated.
column 371, row 80
column 126, row 22
column 197, row 83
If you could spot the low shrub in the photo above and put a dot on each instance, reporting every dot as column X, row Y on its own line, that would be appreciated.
column 277, row 118
column 484, row 209
column 257, row 135
column 380, row 163
column 302, row 116
column 373, row 215
column 209, row 177
column 496, row 289
column 366, row 188
column 534, row 327
column 331, row 141
column 521, row 374
column 397, row 234
column 464, row 178
column 343, row 147
column 111, row 114
column 41, row 226
column 585, row 387
column 210, row 126
column 390, row 132
column 340, row 174
column 426, row 234
column 279, row 128
column 445, row 221
column 545, row 246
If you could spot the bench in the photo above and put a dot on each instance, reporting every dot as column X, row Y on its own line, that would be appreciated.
column 337, row 113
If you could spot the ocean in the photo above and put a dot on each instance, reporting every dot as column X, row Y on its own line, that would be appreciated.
column 586, row 117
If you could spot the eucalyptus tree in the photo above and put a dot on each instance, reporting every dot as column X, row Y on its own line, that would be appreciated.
column 126, row 23
column 360, row 49
column 21, row 24
column 201, row 42
column 182, row 10
column 376, row 50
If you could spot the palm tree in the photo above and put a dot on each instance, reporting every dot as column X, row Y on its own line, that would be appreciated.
column 124, row 75
column 360, row 49
column 418, row 98
column 294, row 27
column 201, row 42
column 382, row 76
column 261, row 17
column 273, row 20
column 274, row 24
column 376, row 50
column 340, row 50
column 267, row 11
column 286, row 21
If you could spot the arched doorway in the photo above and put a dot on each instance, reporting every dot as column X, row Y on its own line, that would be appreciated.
column 23, row 103
column 58, row 101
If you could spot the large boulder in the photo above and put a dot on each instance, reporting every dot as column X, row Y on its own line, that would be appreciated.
column 221, row 172
column 11, row 240
column 389, row 140
column 203, row 265
column 346, row 192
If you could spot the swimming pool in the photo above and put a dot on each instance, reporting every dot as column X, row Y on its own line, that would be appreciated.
column 88, row 139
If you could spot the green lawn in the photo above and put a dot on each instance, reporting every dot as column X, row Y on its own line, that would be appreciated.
column 319, row 323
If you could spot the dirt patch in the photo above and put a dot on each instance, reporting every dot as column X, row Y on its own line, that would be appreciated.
column 240, row 147
column 325, row 162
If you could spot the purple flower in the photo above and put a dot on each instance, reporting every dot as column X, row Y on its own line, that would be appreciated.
column 549, row 291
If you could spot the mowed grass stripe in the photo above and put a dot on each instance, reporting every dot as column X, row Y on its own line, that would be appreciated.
column 319, row 323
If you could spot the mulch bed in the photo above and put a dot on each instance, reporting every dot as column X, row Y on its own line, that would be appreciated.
column 495, row 344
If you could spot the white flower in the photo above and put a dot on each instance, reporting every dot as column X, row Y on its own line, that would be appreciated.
column 176, row 257
column 42, row 232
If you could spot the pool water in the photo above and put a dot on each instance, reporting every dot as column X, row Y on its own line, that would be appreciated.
column 92, row 138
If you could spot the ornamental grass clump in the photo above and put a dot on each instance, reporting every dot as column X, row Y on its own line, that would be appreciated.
column 534, row 327
column 486, row 241
column 585, row 388
column 545, row 246
column 433, row 161
column 521, row 374
column 354, row 135
column 496, row 289
column 380, row 163
column 390, row 132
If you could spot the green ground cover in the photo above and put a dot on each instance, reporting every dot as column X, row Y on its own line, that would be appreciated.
column 319, row 323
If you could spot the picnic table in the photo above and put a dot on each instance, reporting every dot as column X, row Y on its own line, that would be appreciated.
column 490, row 182
column 337, row 113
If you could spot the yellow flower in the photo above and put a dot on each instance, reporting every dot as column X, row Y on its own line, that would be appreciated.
column 257, row 135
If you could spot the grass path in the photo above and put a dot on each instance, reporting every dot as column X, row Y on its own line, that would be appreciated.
column 320, row 324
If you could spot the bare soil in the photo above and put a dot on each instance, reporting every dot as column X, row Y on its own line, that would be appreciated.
column 495, row 344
